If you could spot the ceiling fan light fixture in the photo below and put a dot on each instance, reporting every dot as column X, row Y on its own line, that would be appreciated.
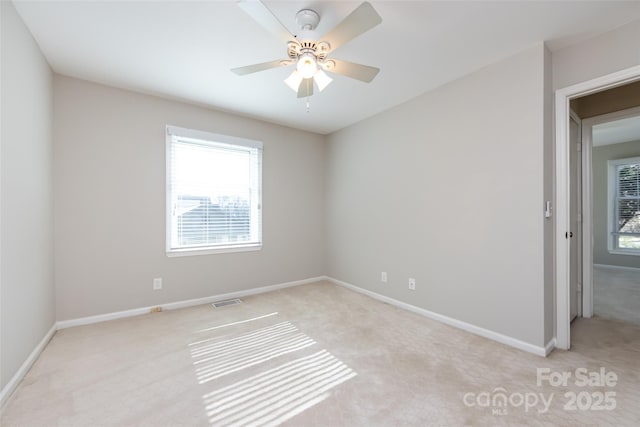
column 294, row 80
column 322, row 80
column 310, row 56
column 307, row 65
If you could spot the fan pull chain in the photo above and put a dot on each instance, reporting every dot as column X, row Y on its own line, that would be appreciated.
column 308, row 105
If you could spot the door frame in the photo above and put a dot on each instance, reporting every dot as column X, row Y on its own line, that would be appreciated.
column 562, row 195
column 587, row 146
column 580, row 205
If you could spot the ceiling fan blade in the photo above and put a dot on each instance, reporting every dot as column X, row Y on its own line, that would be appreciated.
column 306, row 88
column 360, row 72
column 263, row 16
column 361, row 20
column 243, row 71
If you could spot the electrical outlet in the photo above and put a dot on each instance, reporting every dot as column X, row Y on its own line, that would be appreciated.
column 383, row 277
column 157, row 283
column 412, row 283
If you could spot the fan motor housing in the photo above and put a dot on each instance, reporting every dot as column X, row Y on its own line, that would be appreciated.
column 319, row 49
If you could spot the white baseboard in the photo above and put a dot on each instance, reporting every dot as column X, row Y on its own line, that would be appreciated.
column 549, row 347
column 19, row 375
column 8, row 389
column 6, row 392
column 617, row 267
column 62, row 324
column 504, row 339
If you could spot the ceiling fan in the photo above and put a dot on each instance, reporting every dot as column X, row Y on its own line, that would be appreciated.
column 312, row 57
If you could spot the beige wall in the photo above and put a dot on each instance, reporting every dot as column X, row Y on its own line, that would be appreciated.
column 26, row 259
column 601, row 55
column 449, row 189
column 601, row 155
column 109, row 206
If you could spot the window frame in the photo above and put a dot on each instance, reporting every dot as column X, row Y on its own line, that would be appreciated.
column 612, row 208
column 212, row 138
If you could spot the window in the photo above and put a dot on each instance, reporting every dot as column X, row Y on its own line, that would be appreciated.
column 213, row 193
column 624, row 206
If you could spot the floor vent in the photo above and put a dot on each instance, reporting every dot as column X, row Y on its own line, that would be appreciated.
column 226, row 302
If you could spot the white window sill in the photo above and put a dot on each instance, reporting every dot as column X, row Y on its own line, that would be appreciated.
column 633, row 252
column 211, row 251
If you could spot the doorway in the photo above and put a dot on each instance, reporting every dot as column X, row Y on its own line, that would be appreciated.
column 612, row 288
column 567, row 284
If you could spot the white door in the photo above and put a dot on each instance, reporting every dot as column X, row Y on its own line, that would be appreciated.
column 575, row 215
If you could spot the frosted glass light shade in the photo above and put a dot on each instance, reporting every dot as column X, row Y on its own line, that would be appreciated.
column 294, row 80
column 322, row 80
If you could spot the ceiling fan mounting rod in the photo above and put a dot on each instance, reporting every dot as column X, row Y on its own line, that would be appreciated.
column 307, row 19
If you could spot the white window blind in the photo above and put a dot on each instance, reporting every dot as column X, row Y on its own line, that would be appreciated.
column 213, row 192
column 626, row 205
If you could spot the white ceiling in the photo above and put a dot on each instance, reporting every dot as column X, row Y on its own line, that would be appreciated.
column 617, row 132
column 184, row 49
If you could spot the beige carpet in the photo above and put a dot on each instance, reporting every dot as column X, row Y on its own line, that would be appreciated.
column 616, row 293
column 318, row 355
